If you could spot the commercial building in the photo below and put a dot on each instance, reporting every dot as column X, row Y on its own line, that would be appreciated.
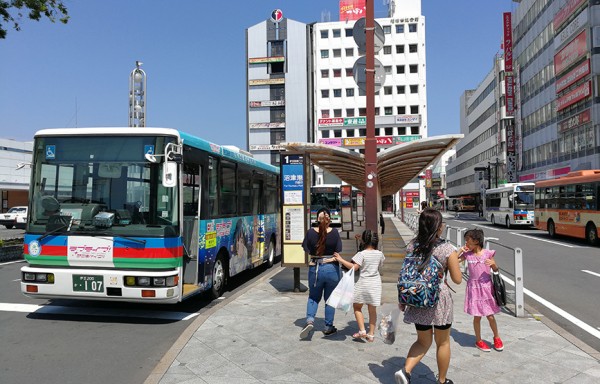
column 323, row 102
column 15, row 171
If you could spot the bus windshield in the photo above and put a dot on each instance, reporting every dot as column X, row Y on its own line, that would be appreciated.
column 524, row 200
column 101, row 184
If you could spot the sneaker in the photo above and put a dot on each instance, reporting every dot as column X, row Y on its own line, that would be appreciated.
column 482, row 345
column 448, row 381
column 306, row 330
column 498, row 344
column 402, row 377
column 330, row 331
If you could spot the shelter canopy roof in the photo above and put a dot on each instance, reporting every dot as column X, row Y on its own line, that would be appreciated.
column 396, row 165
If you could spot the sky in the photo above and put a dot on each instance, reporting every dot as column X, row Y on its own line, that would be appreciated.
column 193, row 52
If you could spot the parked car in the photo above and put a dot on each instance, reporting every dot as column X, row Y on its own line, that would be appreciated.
column 15, row 217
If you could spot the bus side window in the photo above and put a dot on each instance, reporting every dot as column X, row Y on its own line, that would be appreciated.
column 213, row 184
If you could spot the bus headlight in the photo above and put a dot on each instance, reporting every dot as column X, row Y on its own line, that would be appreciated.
column 143, row 281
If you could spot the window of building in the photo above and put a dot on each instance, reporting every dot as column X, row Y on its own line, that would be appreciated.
column 402, row 110
column 337, row 133
column 349, row 52
column 387, row 90
column 277, row 91
column 400, row 48
column 336, row 33
column 401, row 131
column 349, row 72
column 349, row 132
column 362, row 111
column 414, row 130
column 337, row 52
column 324, row 113
column 276, row 48
column 277, row 67
column 337, row 93
column 361, row 92
column 337, row 72
column 349, row 92
column 400, row 28
column 387, row 29
column 412, row 48
column 414, row 109
column 324, row 53
column 324, row 33
column 277, row 114
column 349, row 32
column 389, row 131
column 325, row 134
column 388, row 69
column 350, row 111
column 376, row 111
column 412, row 27
column 399, row 69
column 362, row 132
column 413, row 68
column 400, row 89
column 387, row 111
column 337, row 113
column 387, row 50
column 324, row 73
column 324, row 93
column 414, row 89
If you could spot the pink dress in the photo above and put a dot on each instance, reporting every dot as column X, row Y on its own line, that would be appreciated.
column 479, row 298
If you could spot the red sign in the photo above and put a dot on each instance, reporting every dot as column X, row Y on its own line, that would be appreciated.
column 575, row 121
column 571, row 53
column 577, row 73
column 352, row 9
column 331, row 122
column 508, row 44
column 566, row 11
column 578, row 94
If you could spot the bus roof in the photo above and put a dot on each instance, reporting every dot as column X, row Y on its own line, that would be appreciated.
column 576, row 177
column 509, row 187
column 228, row 152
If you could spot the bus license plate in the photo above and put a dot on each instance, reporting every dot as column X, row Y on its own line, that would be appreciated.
column 85, row 283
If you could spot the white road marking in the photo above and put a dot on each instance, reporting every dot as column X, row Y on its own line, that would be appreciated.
column 81, row 311
column 546, row 241
column 490, row 227
column 590, row 272
column 13, row 262
column 566, row 315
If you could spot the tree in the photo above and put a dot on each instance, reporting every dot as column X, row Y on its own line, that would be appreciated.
column 11, row 12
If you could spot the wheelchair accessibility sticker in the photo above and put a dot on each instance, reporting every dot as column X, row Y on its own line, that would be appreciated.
column 50, row 152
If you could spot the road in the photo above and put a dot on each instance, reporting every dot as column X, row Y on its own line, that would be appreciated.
column 563, row 272
column 74, row 341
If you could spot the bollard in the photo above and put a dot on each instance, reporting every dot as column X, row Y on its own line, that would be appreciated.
column 519, row 299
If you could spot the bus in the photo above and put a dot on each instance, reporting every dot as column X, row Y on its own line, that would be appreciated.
column 510, row 204
column 144, row 215
column 569, row 205
column 326, row 196
column 461, row 204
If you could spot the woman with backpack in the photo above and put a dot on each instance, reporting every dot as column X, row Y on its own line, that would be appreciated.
column 427, row 250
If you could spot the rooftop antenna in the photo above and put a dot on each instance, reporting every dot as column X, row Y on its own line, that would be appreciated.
column 137, row 96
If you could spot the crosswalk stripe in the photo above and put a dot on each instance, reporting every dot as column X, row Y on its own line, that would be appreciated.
column 84, row 311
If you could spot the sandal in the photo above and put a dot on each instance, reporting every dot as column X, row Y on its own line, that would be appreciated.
column 370, row 338
column 360, row 335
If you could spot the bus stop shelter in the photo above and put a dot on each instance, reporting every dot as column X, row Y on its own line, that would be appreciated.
column 396, row 166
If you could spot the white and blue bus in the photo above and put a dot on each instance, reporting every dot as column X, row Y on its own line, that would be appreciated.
column 511, row 204
column 144, row 214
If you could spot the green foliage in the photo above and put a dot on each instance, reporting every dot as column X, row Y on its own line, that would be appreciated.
column 12, row 11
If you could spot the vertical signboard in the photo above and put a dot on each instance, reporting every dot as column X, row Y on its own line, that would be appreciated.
column 508, row 65
column 346, row 192
column 428, row 177
column 360, row 207
column 293, row 209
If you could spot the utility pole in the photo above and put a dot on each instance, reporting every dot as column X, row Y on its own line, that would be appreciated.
column 371, row 177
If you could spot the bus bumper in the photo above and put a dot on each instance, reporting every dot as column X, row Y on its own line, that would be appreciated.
column 99, row 284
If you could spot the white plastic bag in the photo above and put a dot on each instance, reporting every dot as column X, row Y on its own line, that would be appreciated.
column 387, row 327
column 342, row 296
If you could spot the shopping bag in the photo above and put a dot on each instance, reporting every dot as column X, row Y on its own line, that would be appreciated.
column 342, row 296
column 499, row 290
column 387, row 327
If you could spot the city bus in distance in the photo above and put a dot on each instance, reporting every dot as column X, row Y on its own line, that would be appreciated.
column 569, row 205
column 144, row 215
column 461, row 204
column 326, row 196
column 511, row 204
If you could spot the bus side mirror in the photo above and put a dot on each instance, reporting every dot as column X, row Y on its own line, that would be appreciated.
column 169, row 174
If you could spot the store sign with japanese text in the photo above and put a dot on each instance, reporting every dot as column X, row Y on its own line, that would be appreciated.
column 576, row 74
column 408, row 119
column 575, row 121
column 280, row 80
column 267, row 125
column 332, row 142
column 571, row 53
column 563, row 14
column 581, row 92
column 267, row 103
column 352, row 9
column 262, row 60
column 508, row 65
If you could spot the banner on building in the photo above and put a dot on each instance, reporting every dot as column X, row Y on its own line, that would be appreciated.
column 571, row 53
column 508, row 64
column 352, row 9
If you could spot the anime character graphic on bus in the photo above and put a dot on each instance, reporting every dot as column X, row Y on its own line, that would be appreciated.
column 239, row 250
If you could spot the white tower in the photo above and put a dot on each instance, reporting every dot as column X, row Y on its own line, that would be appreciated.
column 137, row 97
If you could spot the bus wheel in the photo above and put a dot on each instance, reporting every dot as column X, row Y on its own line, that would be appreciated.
column 219, row 277
column 493, row 220
column 591, row 234
column 507, row 222
column 551, row 228
column 271, row 254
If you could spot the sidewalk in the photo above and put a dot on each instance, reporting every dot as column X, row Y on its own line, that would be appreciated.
column 254, row 338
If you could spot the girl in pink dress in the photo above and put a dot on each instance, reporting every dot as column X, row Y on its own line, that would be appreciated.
column 479, row 298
